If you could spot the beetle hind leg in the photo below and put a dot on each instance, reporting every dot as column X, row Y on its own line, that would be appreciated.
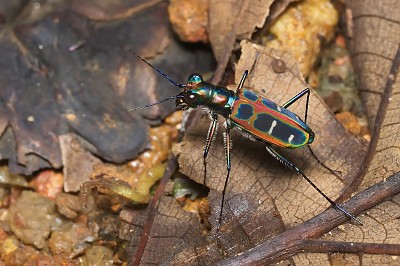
column 287, row 163
column 294, row 99
column 336, row 173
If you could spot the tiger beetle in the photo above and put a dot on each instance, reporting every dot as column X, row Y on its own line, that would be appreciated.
column 256, row 118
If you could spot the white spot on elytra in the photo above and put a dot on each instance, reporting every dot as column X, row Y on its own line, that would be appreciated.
column 272, row 127
column 290, row 138
column 278, row 108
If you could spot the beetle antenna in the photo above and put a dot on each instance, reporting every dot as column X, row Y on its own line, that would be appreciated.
column 155, row 103
column 179, row 85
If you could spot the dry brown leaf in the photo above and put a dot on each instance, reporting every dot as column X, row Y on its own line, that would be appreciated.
column 374, row 58
column 78, row 163
column 231, row 20
column 376, row 36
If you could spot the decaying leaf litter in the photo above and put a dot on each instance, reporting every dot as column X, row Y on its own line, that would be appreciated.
column 77, row 117
column 185, row 226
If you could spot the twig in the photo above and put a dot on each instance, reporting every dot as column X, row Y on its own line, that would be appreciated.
column 349, row 247
column 290, row 242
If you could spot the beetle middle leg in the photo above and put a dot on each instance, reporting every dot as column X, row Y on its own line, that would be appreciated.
column 210, row 138
column 228, row 147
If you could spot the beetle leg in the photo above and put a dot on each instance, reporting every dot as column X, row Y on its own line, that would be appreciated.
column 241, row 83
column 287, row 163
column 228, row 147
column 255, row 61
column 334, row 172
column 293, row 100
column 246, row 72
column 210, row 137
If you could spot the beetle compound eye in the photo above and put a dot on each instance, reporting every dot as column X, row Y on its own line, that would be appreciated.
column 191, row 98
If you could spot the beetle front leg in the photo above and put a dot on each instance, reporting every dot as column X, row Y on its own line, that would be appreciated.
column 210, row 137
column 289, row 164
